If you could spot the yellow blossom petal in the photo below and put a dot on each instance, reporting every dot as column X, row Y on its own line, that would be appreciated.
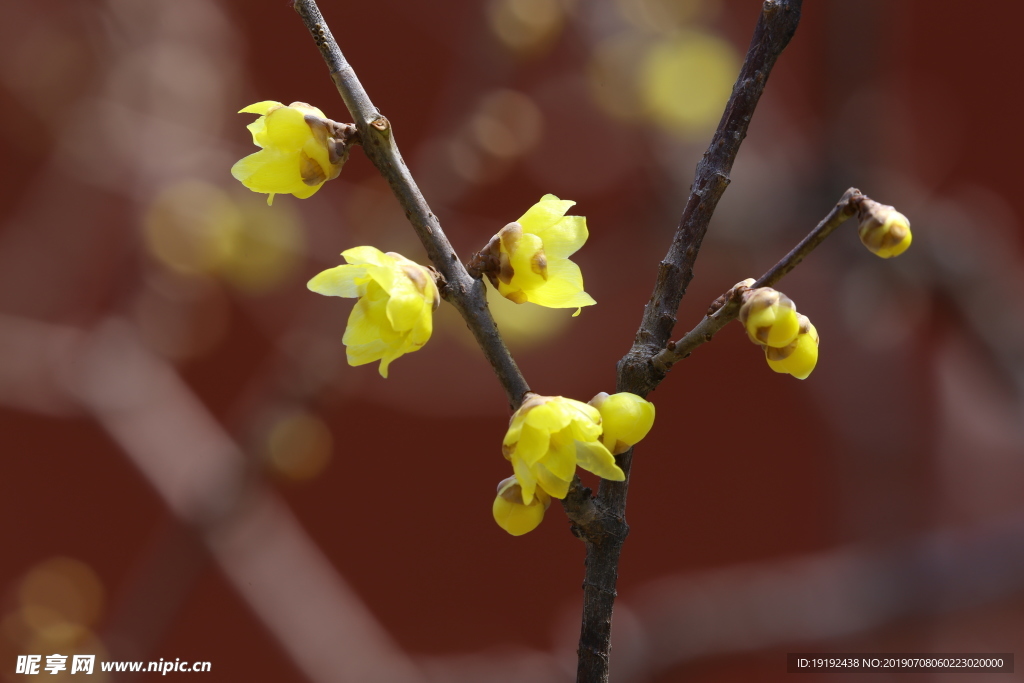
column 295, row 158
column 533, row 257
column 368, row 256
column 798, row 358
column 286, row 129
column 548, row 437
column 549, row 482
column 889, row 237
column 769, row 317
column 307, row 109
column 544, row 214
column 529, row 262
column 362, row 354
column 258, row 128
column 549, row 416
column 533, row 444
column 564, row 238
column 271, row 171
column 526, row 478
column 261, row 108
column 365, row 323
column 625, row 418
column 560, row 459
column 390, row 355
column 594, row 457
column 563, row 289
column 421, row 331
column 404, row 308
column 347, row 281
column 586, row 425
column 512, row 514
column 393, row 315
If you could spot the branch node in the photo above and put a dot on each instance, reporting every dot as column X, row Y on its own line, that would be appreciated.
column 487, row 261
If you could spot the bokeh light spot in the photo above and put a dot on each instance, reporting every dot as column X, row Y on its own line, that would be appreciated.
column 526, row 26
column 194, row 227
column 686, row 81
column 299, row 446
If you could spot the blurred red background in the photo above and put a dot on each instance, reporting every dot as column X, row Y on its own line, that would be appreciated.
column 189, row 463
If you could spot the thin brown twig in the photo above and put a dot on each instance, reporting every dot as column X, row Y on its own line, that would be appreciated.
column 457, row 286
column 604, row 533
column 712, row 323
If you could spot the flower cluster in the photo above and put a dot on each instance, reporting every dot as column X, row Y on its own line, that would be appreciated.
column 789, row 340
column 530, row 257
column 397, row 298
column 549, row 436
column 299, row 150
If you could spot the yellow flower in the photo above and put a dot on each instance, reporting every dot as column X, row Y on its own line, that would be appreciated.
column 298, row 154
column 397, row 298
column 533, row 257
column 885, row 231
column 625, row 419
column 800, row 356
column 769, row 317
column 548, row 437
column 512, row 514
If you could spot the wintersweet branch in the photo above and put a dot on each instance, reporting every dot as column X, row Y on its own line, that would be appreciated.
column 457, row 286
column 727, row 307
column 604, row 532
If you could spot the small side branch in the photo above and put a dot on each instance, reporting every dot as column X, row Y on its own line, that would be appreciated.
column 727, row 311
column 458, row 287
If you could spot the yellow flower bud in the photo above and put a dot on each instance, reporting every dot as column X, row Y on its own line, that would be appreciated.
column 397, row 298
column 625, row 419
column 884, row 230
column 300, row 152
column 512, row 514
column 800, row 356
column 548, row 437
column 532, row 257
column 769, row 317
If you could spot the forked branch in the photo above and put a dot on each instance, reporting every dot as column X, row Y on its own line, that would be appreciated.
column 775, row 27
column 727, row 307
column 607, row 531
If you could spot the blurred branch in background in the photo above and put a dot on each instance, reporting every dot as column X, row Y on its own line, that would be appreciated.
column 819, row 599
column 331, row 635
column 208, row 485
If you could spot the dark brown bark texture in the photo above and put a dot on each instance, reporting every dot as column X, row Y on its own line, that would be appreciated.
column 606, row 530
